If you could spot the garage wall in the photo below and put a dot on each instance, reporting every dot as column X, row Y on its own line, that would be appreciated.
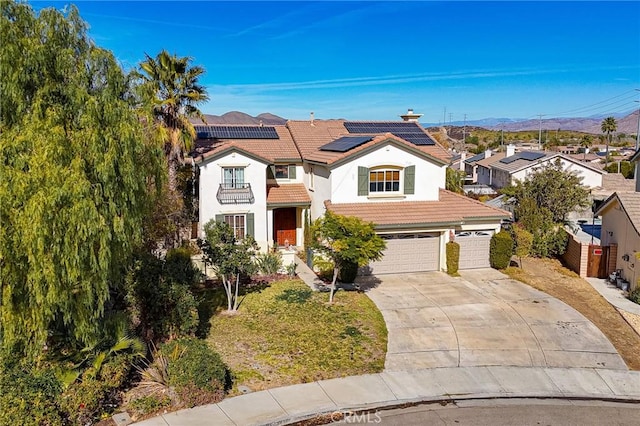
column 417, row 252
column 474, row 248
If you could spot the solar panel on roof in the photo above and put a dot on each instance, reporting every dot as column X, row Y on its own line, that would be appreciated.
column 416, row 138
column 236, row 132
column 525, row 155
column 531, row 155
column 345, row 143
column 410, row 132
column 375, row 127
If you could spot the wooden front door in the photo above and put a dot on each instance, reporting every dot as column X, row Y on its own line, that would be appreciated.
column 284, row 224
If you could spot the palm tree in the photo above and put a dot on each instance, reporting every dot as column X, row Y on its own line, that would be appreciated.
column 176, row 94
column 608, row 126
column 586, row 142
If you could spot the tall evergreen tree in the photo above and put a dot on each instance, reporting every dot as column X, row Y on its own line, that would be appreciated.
column 75, row 163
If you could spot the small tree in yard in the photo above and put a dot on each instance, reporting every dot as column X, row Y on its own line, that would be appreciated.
column 523, row 241
column 230, row 257
column 347, row 241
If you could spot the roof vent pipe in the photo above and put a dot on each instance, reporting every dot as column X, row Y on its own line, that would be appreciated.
column 311, row 118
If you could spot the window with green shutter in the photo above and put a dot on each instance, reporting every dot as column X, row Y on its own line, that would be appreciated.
column 363, row 181
column 409, row 179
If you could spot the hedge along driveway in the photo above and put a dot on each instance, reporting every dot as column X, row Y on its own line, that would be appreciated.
column 287, row 334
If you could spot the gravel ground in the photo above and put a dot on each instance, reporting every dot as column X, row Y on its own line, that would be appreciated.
column 632, row 319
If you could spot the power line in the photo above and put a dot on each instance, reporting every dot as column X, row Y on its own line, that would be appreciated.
column 599, row 105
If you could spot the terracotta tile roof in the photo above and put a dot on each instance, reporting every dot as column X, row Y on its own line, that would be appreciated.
column 309, row 137
column 289, row 193
column 271, row 150
column 490, row 160
column 451, row 208
column 630, row 203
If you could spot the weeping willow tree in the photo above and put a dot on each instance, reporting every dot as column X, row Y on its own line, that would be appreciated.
column 75, row 165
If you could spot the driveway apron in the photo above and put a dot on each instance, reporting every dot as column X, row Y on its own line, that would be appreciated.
column 483, row 318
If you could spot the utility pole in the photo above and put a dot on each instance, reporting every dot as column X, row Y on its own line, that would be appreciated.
column 450, row 115
column 501, row 134
column 444, row 118
column 638, row 134
column 540, row 133
column 464, row 131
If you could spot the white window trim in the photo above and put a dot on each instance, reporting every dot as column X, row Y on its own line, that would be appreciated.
column 387, row 194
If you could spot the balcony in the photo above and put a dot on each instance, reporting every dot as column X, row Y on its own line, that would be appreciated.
column 236, row 193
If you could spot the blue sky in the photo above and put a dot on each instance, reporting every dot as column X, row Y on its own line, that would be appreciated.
column 374, row 60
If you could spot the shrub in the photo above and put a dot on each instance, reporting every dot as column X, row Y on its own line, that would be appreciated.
column 635, row 296
column 453, row 257
column 28, row 396
column 159, row 295
column 501, row 249
column 86, row 400
column 150, row 403
column 269, row 263
column 197, row 373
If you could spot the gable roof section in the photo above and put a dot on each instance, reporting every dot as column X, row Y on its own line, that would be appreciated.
column 311, row 136
column 629, row 201
column 450, row 209
column 289, row 194
column 522, row 163
column 270, row 150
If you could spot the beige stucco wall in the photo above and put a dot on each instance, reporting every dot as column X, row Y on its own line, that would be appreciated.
column 617, row 228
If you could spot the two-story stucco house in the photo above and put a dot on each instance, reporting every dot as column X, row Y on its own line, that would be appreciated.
column 389, row 173
column 252, row 178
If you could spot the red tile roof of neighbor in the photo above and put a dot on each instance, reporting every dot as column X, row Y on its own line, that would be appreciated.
column 450, row 208
column 271, row 150
column 289, row 193
column 310, row 136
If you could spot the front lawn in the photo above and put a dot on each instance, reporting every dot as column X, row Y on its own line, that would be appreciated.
column 286, row 334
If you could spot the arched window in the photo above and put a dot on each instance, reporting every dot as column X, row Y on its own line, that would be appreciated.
column 384, row 180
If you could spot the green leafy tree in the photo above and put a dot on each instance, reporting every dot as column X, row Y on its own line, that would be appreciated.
column 626, row 168
column 550, row 186
column 75, row 161
column 347, row 241
column 608, row 126
column 173, row 86
column 455, row 180
column 549, row 237
column 231, row 258
column 523, row 240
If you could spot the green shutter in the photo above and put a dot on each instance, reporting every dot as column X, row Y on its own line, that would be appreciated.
column 363, row 181
column 292, row 171
column 250, row 225
column 219, row 218
column 409, row 179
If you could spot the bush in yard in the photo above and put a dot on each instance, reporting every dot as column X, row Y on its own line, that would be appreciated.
column 159, row 295
column 453, row 257
column 268, row 263
column 500, row 250
column 28, row 396
column 195, row 371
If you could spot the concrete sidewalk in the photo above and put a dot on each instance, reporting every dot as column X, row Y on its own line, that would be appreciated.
column 298, row 402
column 614, row 295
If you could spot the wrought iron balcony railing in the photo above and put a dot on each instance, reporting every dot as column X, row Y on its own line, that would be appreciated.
column 235, row 193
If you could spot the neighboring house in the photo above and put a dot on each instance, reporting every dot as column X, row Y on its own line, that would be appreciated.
column 471, row 166
column 519, row 165
column 390, row 173
column 621, row 227
column 484, row 170
column 252, row 178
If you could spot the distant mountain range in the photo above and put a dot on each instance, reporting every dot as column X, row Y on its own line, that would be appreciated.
column 626, row 123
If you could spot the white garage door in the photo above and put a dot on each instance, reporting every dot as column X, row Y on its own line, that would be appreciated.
column 474, row 249
column 408, row 253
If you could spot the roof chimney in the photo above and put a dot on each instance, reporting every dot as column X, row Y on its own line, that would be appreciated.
column 410, row 116
column 511, row 150
column 311, row 118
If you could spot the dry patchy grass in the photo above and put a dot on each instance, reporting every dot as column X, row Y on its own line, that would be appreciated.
column 287, row 334
column 554, row 279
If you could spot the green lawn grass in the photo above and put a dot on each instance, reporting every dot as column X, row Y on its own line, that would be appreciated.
column 286, row 334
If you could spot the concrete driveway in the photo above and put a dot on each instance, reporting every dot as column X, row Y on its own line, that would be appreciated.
column 481, row 319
